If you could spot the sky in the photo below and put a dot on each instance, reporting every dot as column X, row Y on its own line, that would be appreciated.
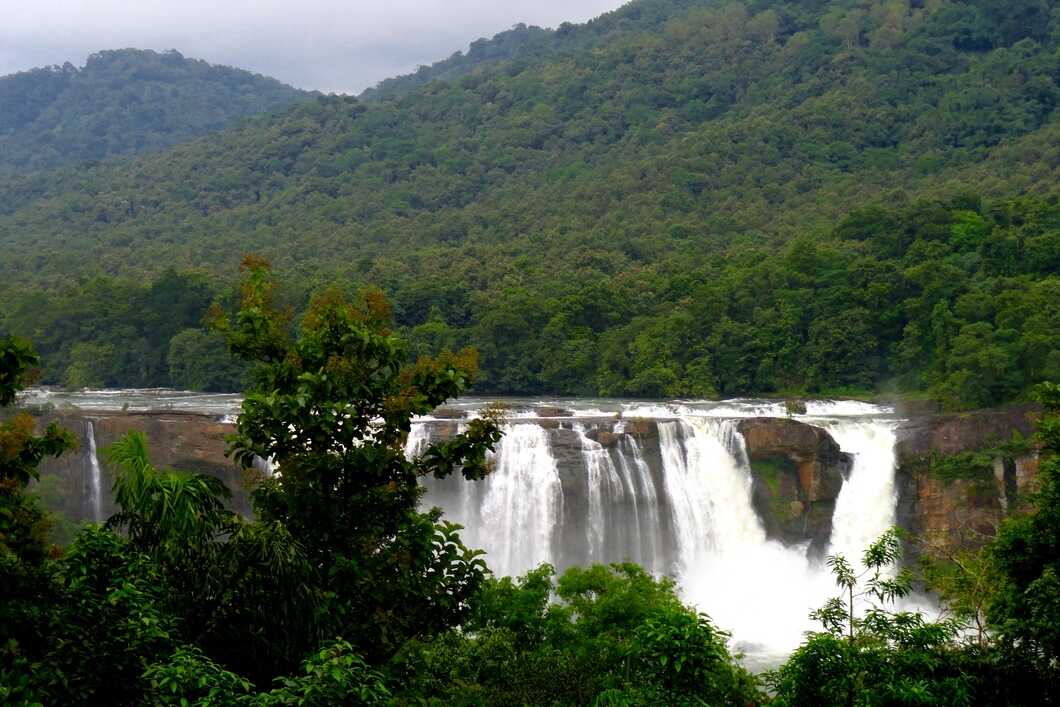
column 328, row 45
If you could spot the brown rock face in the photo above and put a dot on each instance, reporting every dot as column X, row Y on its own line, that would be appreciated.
column 945, row 513
column 798, row 470
column 963, row 432
column 188, row 442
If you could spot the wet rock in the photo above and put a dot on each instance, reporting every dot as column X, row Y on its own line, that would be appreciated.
column 640, row 427
column 548, row 411
column 444, row 413
column 798, row 471
column 184, row 441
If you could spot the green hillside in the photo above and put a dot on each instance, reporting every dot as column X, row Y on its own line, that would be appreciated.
column 652, row 204
column 124, row 102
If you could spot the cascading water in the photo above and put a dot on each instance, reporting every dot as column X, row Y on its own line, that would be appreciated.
column 94, row 482
column 417, row 441
column 866, row 506
column 522, row 502
column 636, row 482
column 686, row 512
column 603, row 486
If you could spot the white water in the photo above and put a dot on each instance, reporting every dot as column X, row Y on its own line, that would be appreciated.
column 522, row 502
column 603, row 484
column 636, row 469
column 865, row 508
column 95, row 480
column 676, row 499
column 692, row 517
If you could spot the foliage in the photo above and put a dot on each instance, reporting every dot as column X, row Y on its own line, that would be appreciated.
column 332, row 676
column 124, row 102
column 1027, row 555
column 674, row 199
column 165, row 512
column 870, row 655
column 924, row 328
column 243, row 590
column 333, row 407
column 106, row 625
column 967, row 582
column 18, row 367
column 106, row 332
column 25, row 578
column 616, row 636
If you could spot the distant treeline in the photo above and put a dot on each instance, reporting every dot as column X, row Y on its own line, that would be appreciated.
column 957, row 299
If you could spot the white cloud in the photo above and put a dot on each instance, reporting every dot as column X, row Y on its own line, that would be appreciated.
column 328, row 45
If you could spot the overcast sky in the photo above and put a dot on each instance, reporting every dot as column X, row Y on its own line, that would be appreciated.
column 329, row 45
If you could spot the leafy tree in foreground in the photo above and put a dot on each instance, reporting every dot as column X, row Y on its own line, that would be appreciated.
column 333, row 407
column 617, row 636
column 871, row 655
column 25, row 583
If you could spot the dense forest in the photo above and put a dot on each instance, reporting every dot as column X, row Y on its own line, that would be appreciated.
column 124, row 102
column 960, row 299
column 678, row 198
column 341, row 590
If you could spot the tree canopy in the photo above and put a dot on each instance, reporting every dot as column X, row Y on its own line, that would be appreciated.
column 678, row 198
column 124, row 102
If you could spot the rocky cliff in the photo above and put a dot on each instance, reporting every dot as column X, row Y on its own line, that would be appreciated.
column 188, row 442
column 959, row 475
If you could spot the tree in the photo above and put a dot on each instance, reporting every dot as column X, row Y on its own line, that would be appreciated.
column 616, row 635
column 871, row 655
column 332, row 407
column 200, row 361
column 25, row 582
column 1027, row 553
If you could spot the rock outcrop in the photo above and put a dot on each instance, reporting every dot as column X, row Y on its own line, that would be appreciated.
column 798, row 471
column 959, row 475
column 188, row 442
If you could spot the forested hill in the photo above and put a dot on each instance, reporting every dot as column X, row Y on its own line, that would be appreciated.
column 652, row 207
column 524, row 44
column 123, row 102
column 520, row 42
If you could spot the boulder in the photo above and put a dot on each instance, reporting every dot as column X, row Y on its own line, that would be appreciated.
column 798, row 471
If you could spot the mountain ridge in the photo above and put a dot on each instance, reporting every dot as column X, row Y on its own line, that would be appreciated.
column 626, row 180
column 123, row 102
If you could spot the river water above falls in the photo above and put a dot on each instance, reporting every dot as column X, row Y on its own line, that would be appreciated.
column 668, row 485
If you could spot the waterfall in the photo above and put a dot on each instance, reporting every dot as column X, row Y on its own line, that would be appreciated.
column 267, row 466
column 645, row 501
column 521, row 503
column 417, row 441
column 94, row 485
column 865, row 508
column 665, row 484
column 679, row 504
column 604, row 490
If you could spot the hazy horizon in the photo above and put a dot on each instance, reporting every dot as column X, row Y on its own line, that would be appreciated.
column 323, row 45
